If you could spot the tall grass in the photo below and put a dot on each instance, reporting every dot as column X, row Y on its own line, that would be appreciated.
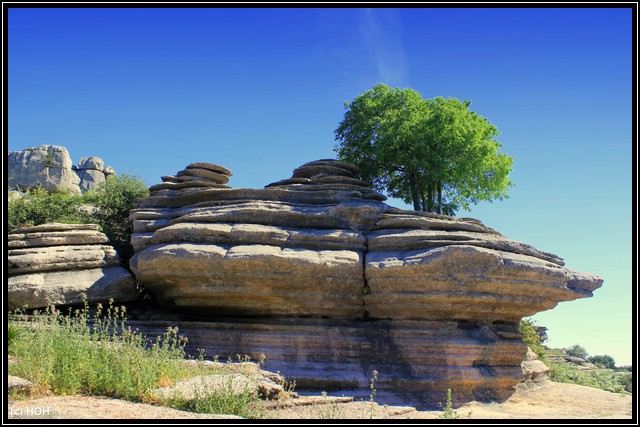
column 68, row 354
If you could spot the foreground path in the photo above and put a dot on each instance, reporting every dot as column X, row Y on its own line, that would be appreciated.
column 547, row 400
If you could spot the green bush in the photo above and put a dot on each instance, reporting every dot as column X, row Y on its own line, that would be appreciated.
column 38, row 206
column 599, row 378
column 115, row 198
column 604, row 361
column 531, row 337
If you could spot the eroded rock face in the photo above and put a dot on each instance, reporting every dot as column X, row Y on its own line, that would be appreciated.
column 322, row 244
column 59, row 263
column 48, row 166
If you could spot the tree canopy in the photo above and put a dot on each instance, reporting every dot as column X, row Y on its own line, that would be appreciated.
column 434, row 153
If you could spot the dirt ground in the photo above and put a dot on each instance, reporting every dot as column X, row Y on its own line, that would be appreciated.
column 548, row 400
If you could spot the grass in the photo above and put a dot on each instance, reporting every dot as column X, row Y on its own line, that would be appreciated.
column 69, row 354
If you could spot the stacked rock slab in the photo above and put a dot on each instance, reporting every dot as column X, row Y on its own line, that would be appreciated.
column 59, row 263
column 429, row 301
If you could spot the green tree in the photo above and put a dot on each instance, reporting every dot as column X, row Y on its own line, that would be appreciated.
column 435, row 153
column 577, row 350
column 603, row 361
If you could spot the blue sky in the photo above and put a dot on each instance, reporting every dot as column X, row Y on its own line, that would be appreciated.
column 261, row 91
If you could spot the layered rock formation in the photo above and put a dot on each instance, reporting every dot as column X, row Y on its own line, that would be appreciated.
column 51, row 167
column 59, row 263
column 443, row 294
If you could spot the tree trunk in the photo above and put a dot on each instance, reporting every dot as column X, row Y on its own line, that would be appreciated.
column 439, row 196
column 413, row 183
column 429, row 207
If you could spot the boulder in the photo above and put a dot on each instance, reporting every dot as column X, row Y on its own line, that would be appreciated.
column 90, row 170
column 90, row 179
column 93, row 162
column 48, row 166
column 442, row 294
column 60, row 263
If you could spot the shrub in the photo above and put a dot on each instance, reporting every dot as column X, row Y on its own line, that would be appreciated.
column 604, row 361
column 115, row 198
column 603, row 379
column 531, row 337
column 38, row 206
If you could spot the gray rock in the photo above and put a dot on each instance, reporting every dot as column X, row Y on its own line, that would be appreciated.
column 56, row 258
column 59, row 263
column 206, row 174
column 17, row 383
column 55, row 238
column 68, row 287
column 48, row 166
column 90, row 179
column 211, row 167
column 95, row 163
column 109, row 171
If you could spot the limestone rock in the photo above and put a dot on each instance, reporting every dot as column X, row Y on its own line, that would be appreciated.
column 59, row 263
column 533, row 369
column 48, row 166
column 93, row 162
column 68, row 287
column 17, row 383
column 90, row 170
column 443, row 294
column 90, row 179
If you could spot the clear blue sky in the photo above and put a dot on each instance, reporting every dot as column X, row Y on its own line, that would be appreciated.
column 261, row 91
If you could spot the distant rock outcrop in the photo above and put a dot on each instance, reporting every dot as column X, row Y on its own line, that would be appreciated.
column 58, row 263
column 50, row 167
column 430, row 301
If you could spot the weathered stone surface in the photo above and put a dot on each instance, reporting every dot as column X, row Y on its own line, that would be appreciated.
column 68, row 287
column 211, row 167
column 321, row 244
column 90, row 179
column 92, row 162
column 253, row 279
column 59, row 263
column 416, row 361
column 55, row 258
column 55, row 238
column 17, row 383
column 48, row 166
column 533, row 369
column 206, row 174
